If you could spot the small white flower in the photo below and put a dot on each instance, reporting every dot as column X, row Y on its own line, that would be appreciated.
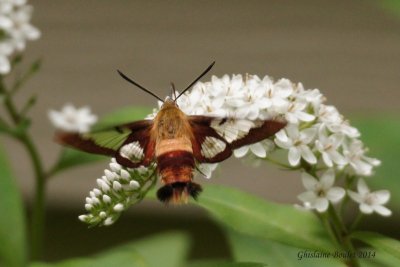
column 328, row 146
column 371, row 201
column 297, row 143
column 295, row 112
column 71, row 119
column 355, row 155
column 321, row 192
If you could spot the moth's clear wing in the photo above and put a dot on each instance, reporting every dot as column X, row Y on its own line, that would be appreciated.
column 130, row 143
column 215, row 138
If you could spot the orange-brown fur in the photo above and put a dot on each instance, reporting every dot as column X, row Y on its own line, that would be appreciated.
column 172, row 134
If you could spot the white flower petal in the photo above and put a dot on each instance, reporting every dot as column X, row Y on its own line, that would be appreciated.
column 382, row 196
column 307, row 154
column 327, row 179
column 258, row 150
column 241, row 152
column 321, row 204
column 355, row 196
column 367, row 209
column 307, row 197
column 362, row 187
column 309, row 182
column 335, row 194
column 294, row 156
column 382, row 210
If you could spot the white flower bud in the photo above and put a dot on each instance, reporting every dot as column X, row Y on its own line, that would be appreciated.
column 116, row 186
column 119, row 207
column 97, row 192
column 115, row 167
column 110, row 175
column 92, row 194
column 106, row 199
column 102, row 214
column 108, row 221
column 103, row 185
column 83, row 218
column 125, row 175
column 95, row 201
column 134, row 184
column 89, row 200
column 88, row 207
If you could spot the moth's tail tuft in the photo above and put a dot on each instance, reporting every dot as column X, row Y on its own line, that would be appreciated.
column 178, row 192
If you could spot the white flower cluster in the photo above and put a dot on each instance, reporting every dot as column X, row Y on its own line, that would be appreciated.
column 15, row 30
column 116, row 190
column 317, row 139
column 317, row 135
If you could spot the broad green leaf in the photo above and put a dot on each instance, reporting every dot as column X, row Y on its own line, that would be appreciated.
column 379, row 259
column 221, row 263
column 381, row 135
column 248, row 248
column 121, row 116
column 12, row 227
column 70, row 158
column 120, row 259
column 378, row 241
column 167, row 250
column 254, row 216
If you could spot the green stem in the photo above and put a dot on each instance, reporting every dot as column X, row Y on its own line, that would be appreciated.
column 356, row 221
column 38, row 212
column 344, row 238
column 325, row 221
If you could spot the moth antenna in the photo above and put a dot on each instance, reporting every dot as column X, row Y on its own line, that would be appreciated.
column 197, row 79
column 173, row 91
column 138, row 85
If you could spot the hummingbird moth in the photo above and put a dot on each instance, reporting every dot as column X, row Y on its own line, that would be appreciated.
column 175, row 141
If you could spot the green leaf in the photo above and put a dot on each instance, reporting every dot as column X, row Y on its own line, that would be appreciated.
column 378, row 241
column 248, row 248
column 379, row 259
column 121, row 116
column 381, row 135
column 221, row 263
column 254, row 216
column 167, row 250
column 12, row 227
column 71, row 158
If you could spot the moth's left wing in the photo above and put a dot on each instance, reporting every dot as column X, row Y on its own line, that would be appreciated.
column 222, row 135
column 122, row 142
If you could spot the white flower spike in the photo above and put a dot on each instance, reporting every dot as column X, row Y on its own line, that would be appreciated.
column 320, row 193
column 71, row 119
column 370, row 201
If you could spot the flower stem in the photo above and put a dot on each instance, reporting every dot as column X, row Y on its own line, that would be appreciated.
column 38, row 212
column 343, row 237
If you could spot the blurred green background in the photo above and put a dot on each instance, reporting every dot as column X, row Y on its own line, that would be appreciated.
column 349, row 49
